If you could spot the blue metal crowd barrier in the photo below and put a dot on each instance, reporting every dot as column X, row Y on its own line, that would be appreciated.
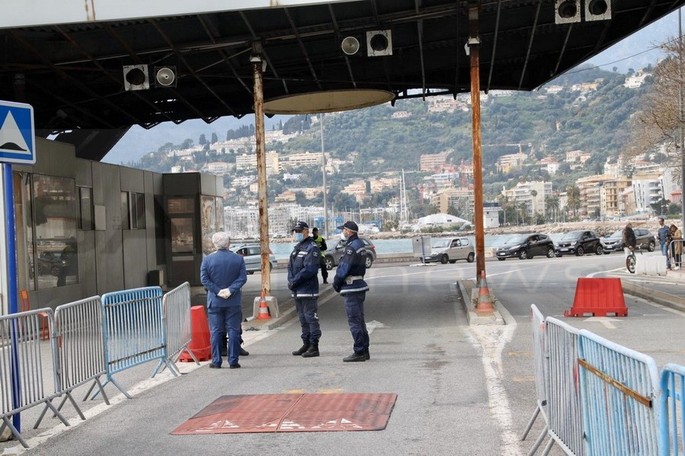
column 133, row 330
column 672, row 411
column 22, row 367
column 618, row 390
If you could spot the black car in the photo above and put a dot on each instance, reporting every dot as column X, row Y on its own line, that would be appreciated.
column 614, row 242
column 526, row 246
column 579, row 243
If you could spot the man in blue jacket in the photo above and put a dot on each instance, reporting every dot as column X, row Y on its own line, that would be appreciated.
column 223, row 274
column 303, row 282
column 349, row 282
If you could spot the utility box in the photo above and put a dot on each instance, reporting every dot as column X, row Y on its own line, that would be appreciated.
column 421, row 246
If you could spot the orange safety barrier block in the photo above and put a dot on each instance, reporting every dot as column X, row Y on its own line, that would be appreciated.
column 598, row 297
column 200, row 343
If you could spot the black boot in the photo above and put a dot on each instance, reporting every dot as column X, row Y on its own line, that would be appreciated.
column 355, row 358
column 312, row 351
column 301, row 350
column 367, row 355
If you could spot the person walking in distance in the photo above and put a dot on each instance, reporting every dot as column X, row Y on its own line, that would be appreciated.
column 664, row 235
column 349, row 282
column 303, row 282
column 223, row 274
column 321, row 243
column 676, row 246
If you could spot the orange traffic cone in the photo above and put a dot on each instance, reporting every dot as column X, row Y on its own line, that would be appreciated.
column 264, row 313
column 484, row 299
column 200, row 344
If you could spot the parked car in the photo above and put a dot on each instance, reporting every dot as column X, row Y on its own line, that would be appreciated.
column 253, row 256
column 449, row 250
column 579, row 243
column 614, row 242
column 526, row 246
column 334, row 253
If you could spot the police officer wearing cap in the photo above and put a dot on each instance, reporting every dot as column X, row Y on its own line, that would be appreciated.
column 303, row 282
column 349, row 282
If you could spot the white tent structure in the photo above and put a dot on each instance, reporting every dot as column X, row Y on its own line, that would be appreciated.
column 439, row 220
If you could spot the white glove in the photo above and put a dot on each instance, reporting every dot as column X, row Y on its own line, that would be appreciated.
column 224, row 293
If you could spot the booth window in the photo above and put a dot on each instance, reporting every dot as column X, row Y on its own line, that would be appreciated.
column 85, row 221
column 133, row 211
column 55, row 221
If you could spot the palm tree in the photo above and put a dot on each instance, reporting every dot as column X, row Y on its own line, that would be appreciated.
column 573, row 195
column 551, row 207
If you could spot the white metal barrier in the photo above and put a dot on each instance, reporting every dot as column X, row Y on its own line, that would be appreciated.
column 80, row 348
column 22, row 367
column 176, row 322
column 618, row 390
column 539, row 355
column 563, row 408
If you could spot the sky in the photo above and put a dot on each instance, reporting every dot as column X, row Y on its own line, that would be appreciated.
column 636, row 51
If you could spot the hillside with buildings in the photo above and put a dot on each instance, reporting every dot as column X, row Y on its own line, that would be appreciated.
column 555, row 154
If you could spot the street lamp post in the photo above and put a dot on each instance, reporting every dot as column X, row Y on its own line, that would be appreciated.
column 323, row 160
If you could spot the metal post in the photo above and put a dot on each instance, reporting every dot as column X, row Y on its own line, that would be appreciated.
column 325, row 189
column 680, row 118
column 11, row 259
column 474, row 52
column 257, row 63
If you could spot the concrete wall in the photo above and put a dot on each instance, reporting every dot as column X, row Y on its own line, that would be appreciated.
column 109, row 257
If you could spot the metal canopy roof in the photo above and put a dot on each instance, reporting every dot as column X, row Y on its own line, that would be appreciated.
column 72, row 74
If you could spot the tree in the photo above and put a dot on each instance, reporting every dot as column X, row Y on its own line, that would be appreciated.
column 551, row 207
column 203, row 140
column 573, row 199
column 659, row 120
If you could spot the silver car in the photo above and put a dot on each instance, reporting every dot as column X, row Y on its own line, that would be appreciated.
column 253, row 256
column 449, row 250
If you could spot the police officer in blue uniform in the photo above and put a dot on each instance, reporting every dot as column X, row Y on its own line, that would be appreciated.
column 303, row 282
column 349, row 282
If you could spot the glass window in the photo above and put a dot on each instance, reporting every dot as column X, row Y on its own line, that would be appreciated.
column 125, row 212
column 180, row 205
column 85, row 221
column 55, row 221
column 181, row 235
column 139, row 199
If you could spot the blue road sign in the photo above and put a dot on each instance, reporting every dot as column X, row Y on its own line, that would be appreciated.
column 17, row 133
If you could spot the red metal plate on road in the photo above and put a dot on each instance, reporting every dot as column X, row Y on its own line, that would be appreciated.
column 292, row 413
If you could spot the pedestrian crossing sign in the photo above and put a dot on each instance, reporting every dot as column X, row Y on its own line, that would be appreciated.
column 17, row 133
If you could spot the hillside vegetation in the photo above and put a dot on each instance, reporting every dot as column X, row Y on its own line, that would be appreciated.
column 392, row 138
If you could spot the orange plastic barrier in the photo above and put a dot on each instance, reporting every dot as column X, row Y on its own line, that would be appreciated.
column 200, row 343
column 598, row 297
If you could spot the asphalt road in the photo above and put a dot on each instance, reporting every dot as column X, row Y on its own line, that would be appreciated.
column 462, row 390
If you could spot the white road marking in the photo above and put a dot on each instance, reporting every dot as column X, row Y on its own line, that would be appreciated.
column 604, row 321
column 492, row 339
